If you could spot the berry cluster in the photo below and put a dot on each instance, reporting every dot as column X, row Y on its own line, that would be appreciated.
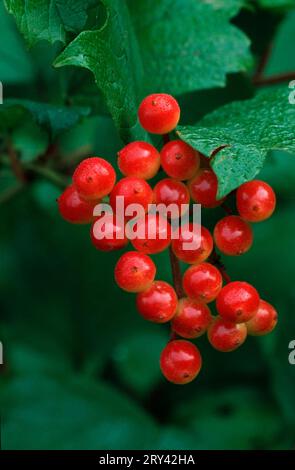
column 189, row 176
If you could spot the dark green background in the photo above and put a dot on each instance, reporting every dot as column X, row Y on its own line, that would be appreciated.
column 81, row 367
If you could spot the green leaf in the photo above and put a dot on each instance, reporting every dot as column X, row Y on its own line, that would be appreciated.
column 247, row 130
column 282, row 57
column 189, row 45
column 233, row 419
column 29, row 140
column 279, row 172
column 111, row 54
column 176, row 438
column 134, row 354
column 55, row 119
column 15, row 64
column 276, row 4
column 70, row 412
column 49, row 20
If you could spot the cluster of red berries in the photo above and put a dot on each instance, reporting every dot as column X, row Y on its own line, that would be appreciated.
column 189, row 177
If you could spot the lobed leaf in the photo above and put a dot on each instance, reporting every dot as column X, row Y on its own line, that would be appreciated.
column 242, row 133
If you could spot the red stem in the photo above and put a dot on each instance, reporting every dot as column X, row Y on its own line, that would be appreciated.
column 166, row 138
column 15, row 163
column 175, row 266
column 216, row 260
column 176, row 274
column 226, row 208
column 274, row 79
column 262, row 63
column 224, row 274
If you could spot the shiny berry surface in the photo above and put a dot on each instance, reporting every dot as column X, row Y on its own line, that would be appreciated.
column 264, row 321
column 226, row 336
column 152, row 234
column 158, row 303
column 237, row 302
column 202, row 282
column 233, row 236
column 133, row 191
column 193, row 245
column 108, row 234
column 139, row 159
column 169, row 191
column 179, row 160
column 203, row 189
column 256, row 201
column 192, row 318
column 159, row 113
column 135, row 272
column 94, row 178
column 73, row 209
column 180, row 361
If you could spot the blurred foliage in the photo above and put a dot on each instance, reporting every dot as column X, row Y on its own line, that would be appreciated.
column 80, row 366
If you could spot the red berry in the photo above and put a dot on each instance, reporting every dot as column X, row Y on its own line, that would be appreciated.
column 237, row 302
column 139, row 159
column 180, row 361
column 108, row 234
column 233, row 236
column 168, row 191
column 152, row 234
column 192, row 318
column 134, row 272
column 225, row 335
column 158, row 303
column 202, row 282
column 192, row 246
column 134, row 191
column 203, row 188
column 159, row 113
column 256, row 201
column 94, row 178
column 74, row 209
column 264, row 321
column 179, row 160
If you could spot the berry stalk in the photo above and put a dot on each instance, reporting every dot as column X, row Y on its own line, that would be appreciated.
column 216, row 260
column 16, row 165
column 176, row 274
column 174, row 262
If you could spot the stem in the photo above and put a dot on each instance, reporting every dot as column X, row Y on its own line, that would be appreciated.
column 226, row 208
column 176, row 274
column 258, row 78
column 262, row 63
column 274, row 79
column 225, row 276
column 216, row 260
column 43, row 171
column 166, row 138
column 71, row 159
column 48, row 174
column 49, row 154
column 175, row 266
column 16, row 165
column 9, row 193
